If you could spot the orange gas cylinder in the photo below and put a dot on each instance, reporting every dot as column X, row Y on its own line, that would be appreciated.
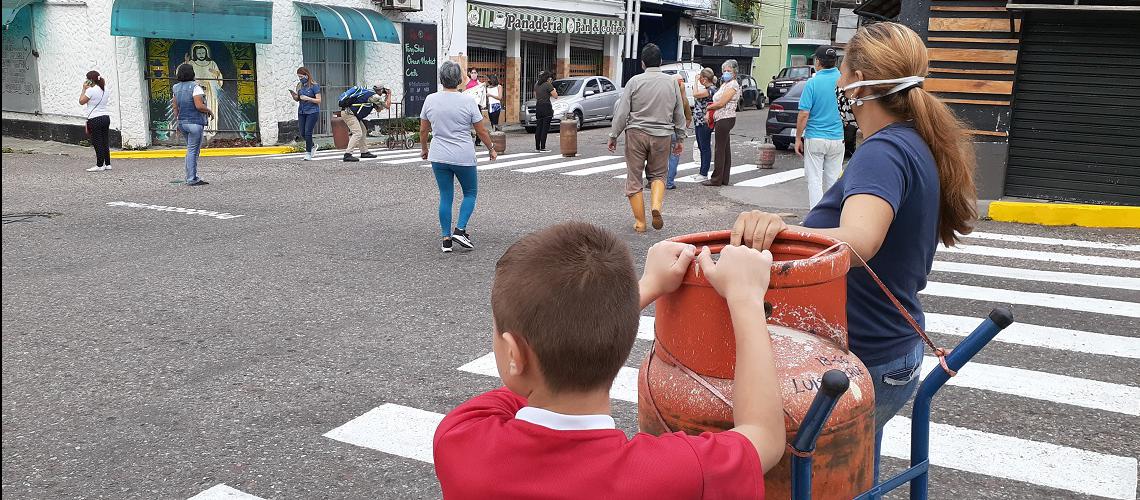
column 568, row 136
column 683, row 379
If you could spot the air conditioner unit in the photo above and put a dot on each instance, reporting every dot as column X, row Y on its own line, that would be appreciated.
column 404, row 5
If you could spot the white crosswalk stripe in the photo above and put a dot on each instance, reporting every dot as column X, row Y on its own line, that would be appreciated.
column 498, row 164
column 595, row 170
column 566, row 164
column 737, row 170
column 223, row 492
column 684, row 167
column 407, row 432
column 772, row 179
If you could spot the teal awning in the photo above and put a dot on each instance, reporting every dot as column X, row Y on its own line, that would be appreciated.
column 350, row 23
column 12, row 7
column 218, row 20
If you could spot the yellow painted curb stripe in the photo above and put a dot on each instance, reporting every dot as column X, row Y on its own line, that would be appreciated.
column 1064, row 214
column 179, row 153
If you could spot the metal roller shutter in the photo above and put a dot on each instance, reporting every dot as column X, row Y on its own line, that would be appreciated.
column 486, row 38
column 593, row 42
column 1075, row 132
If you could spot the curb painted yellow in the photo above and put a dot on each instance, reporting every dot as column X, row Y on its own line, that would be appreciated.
column 179, row 153
column 1065, row 214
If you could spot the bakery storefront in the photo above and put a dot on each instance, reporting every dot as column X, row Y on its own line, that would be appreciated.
column 517, row 44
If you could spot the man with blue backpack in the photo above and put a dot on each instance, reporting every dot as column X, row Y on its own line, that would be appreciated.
column 356, row 104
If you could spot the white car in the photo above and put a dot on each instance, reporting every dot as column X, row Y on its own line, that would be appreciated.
column 688, row 72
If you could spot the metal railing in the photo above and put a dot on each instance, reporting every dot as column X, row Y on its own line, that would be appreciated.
column 810, row 28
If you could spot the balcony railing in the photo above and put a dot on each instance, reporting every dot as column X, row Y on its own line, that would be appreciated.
column 810, row 29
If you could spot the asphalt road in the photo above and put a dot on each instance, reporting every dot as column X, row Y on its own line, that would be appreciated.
column 303, row 349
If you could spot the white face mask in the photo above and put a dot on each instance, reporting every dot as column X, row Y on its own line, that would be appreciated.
column 901, row 84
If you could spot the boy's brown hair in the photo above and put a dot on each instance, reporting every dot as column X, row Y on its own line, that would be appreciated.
column 571, row 292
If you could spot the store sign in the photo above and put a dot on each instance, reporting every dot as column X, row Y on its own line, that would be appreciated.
column 542, row 21
column 692, row 4
column 421, row 65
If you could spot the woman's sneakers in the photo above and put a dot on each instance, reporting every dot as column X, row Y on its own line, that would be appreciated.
column 446, row 246
column 308, row 156
column 461, row 237
column 99, row 169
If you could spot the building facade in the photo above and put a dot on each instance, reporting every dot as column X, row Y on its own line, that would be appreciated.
column 245, row 54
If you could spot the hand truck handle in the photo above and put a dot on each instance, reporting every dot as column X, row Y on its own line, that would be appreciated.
column 834, row 384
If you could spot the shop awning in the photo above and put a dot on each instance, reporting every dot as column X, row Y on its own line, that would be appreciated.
column 218, row 20
column 11, row 7
column 350, row 23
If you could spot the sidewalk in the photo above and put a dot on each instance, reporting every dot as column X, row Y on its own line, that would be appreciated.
column 17, row 145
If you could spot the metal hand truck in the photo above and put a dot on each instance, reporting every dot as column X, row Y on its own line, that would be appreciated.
column 835, row 383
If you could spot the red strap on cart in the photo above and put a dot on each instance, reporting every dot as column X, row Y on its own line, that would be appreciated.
column 938, row 351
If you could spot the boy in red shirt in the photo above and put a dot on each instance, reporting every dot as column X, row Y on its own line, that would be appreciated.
column 566, row 303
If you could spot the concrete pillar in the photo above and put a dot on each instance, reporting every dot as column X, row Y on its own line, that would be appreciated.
column 562, row 67
column 611, row 57
column 512, row 102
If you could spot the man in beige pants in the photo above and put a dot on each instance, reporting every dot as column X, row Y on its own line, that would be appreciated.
column 379, row 99
column 651, row 112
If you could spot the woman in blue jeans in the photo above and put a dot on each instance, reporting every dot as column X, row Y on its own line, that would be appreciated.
column 702, row 97
column 190, row 110
column 447, row 116
column 907, row 188
column 308, row 94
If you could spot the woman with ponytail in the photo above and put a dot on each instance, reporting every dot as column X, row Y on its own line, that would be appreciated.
column 94, row 96
column 909, row 187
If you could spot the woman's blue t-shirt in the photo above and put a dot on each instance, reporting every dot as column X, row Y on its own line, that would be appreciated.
column 306, row 107
column 896, row 165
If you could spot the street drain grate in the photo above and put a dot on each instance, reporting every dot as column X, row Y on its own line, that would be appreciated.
column 29, row 217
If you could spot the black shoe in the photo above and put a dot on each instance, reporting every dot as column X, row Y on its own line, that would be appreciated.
column 367, row 154
column 446, row 246
column 710, row 183
column 198, row 182
column 460, row 236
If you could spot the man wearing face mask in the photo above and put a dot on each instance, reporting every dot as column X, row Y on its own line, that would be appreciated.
column 819, row 131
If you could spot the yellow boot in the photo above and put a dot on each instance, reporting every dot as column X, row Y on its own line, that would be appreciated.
column 657, row 198
column 637, row 203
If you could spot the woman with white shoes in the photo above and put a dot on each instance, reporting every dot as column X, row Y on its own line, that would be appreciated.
column 94, row 96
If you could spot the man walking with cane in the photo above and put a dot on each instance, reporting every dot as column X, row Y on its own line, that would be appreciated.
column 650, row 112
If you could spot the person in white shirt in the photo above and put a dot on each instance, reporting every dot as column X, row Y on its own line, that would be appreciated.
column 94, row 96
column 495, row 99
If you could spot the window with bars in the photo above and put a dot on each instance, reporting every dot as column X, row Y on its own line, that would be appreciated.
column 333, row 65
column 488, row 62
column 585, row 62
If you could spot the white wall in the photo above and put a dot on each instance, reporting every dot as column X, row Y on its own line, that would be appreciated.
column 74, row 37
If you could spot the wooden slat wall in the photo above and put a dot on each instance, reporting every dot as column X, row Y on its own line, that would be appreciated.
column 973, row 58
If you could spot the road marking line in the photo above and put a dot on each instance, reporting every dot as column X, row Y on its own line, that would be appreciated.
column 1051, row 241
column 1015, row 253
column 624, row 388
column 1034, row 462
column 580, row 161
column 772, row 179
column 1047, row 337
column 392, row 429
column 1044, row 386
column 740, row 169
column 1056, row 301
column 403, row 155
column 417, row 158
column 164, row 208
column 339, row 155
column 538, row 159
column 594, row 170
column 223, row 492
column 1097, row 280
column 680, row 168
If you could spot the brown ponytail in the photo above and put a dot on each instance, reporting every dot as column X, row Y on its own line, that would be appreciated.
column 94, row 76
column 884, row 51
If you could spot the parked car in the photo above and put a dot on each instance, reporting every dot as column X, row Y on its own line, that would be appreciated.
column 782, row 83
column 782, row 116
column 688, row 72
column 750, row 95
column 589, row 98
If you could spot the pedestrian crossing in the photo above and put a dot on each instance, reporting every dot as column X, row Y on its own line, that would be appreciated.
column 407, row 432
column 534, row 162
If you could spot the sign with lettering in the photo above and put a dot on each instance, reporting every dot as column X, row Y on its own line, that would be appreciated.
column 420, row 65
column 21, row 77
column 504, row 18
